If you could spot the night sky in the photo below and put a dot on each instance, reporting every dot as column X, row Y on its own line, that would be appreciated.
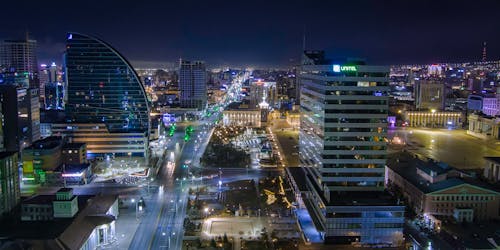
column 264, row 33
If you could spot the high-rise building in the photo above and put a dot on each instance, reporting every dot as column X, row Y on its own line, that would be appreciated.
column 263, row 92
column 20, row 56
column 429, row 95
column 103, row 88
column 9, row 182
column 47, row 76
column 54, row 96
column 344, row 109
column 193, row 84
column 20, row 107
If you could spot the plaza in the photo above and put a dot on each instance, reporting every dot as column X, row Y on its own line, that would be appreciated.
column 454, row 147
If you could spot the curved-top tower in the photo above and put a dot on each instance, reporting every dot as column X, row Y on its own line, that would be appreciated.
column 103, row 87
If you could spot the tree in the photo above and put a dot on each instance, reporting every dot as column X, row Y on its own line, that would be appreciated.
column 224, row 239
column 213, row 243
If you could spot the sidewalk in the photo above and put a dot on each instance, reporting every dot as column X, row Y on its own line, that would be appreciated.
column 126, row 225
column 307, row 226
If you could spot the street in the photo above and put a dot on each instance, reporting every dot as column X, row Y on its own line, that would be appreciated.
column 161, row 226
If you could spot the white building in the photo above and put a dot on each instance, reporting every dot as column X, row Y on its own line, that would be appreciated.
column 492, row 169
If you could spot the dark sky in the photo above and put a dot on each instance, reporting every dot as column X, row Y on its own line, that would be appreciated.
column 264, row 32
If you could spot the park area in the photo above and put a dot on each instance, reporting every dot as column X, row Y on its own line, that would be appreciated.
column 221, row 153
column 251, row 214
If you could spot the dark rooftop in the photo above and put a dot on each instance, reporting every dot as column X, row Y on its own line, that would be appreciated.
column 40, row 199
column 65, row 190
column 244, row 105
column 52, row 116
column 31, row 229
column 50, row 142
column 299, row 175
column 429, row 167
column 7, row 154
column 407, row 166
column 73, row 168
column 74, row 145
column 495, row 159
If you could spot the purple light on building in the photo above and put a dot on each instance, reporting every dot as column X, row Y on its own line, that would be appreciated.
column 391, row 120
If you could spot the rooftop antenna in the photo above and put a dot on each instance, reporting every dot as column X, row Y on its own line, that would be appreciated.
column 304, row 39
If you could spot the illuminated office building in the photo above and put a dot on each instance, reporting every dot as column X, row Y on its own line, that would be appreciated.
column 103, row 88
column 344, row 109
column 20, row 107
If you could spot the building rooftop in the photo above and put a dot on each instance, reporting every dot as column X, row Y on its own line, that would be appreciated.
column 74, row 145
column 6, row 154
column 31, row 229
column 52, row 116
column 406, row 166
column 65, row 190
column 495, row 159
column 62, row 233
column 239, row 106
column 40, row 200
column 430, row 167
column 74, row 168
column 50, row 142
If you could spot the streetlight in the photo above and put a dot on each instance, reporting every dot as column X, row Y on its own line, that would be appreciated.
column 206, row 212
column 149, row 182
column 136, row 204
column 175, row 204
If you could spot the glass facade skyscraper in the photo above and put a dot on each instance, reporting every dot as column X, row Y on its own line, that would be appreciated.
column 343, row 127
column 102, row 87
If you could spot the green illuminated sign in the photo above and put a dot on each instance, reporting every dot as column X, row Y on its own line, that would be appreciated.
column 344, row 68
column 348, row 68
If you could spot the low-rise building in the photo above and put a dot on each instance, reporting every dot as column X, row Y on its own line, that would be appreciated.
column 437, row 189
column 38, row 208
column 74, row 153
column 63, row 204
column 433, row 119
column 77, row 174
column 66, row 204
column 90, row 228
column 100, row 141
column 42, row 156
column 241, row 115
column 492, row 169
column 483, row 126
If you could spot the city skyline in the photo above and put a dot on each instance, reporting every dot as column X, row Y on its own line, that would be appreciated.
column 261, row 35
column 250, row 125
